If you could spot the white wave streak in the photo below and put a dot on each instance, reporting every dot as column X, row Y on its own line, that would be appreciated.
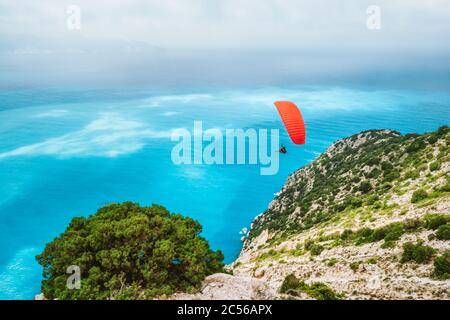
column 108, row 136
column 55, row 113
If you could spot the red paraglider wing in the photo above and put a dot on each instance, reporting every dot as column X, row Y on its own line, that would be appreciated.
column 293, row 121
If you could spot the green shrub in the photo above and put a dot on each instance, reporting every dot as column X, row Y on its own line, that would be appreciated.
column 419, row 195
column 413, row 174
column 422, row 167
column 373, row 174
column 354, row 202
column 308, row 244
column 317, row 290
column 433, row 139
column 331, row 262
column 271, row 254
column 370, row 200
column 394, row 175
column 374, row 161
column 442, row 131
column 290, row 283
column 372, row 260
column 379, row 234
column 316, row 249
column 355, row 265
column 443, row 232
column 363, row 235
column 390, row 232
column 378, row 204
column 320, row 291
column 388, row 244
column 436, row 165
column 415, row 146
column 434, row 221
column 410, row 225
column 442, row 266
column 386, row 166
column 297, row 252
column 123, row 249
column 346, row 234
column 365, row 186
column 445, row 187
column 394, row 231
column 416, row 252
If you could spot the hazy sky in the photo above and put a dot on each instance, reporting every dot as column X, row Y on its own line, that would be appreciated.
column 236, row 23
column 225, row 39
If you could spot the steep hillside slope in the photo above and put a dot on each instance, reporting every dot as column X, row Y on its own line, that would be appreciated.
column 368, row 219
column 370, row 170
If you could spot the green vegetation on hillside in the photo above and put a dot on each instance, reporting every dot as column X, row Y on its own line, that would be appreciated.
column 442, row 266
column 417, row 253
column 443, row 232
column 126, row 251
column 314, row 248
column 419, row 195
column 393, row 231
column 389, row 234
column 360, row 173
column 317, row 290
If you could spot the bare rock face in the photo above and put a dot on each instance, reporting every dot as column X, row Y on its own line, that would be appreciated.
column 222, row 286
column 259, row 273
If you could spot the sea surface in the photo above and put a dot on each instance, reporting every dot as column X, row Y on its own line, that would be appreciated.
column 66, row 151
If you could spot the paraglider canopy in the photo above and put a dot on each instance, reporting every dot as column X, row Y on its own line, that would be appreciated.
column 293, row 121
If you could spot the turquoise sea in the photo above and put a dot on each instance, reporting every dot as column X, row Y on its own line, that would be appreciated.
column 66, row 151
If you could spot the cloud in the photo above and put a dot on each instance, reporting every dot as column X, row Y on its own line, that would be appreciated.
column 223, row 42
column 108, row 136
column 236, row 23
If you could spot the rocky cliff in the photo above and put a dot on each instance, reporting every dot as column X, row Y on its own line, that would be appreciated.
column 368, row 219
